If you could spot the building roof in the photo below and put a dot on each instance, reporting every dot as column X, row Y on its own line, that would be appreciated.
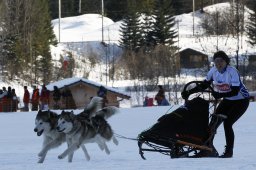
column 70, row 81
column 196, row 50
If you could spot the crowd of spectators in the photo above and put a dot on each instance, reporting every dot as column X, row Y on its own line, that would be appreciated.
column 8, row 100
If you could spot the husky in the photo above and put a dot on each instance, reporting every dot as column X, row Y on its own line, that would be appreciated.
column 97, row 116
column 94, row 105
column 103, row 128
column 81, row 129
column 46, row 123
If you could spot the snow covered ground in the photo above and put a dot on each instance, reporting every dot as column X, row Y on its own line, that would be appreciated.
column 19, row 145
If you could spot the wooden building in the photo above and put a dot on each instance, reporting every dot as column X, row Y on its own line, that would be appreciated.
column 190, row 58
column 252, row 62
column 82, row 90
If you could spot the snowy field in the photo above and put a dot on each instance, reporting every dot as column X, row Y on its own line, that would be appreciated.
column 20, row 145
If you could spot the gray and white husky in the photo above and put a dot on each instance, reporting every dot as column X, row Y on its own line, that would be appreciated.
column 46, row 123
column 83, row 128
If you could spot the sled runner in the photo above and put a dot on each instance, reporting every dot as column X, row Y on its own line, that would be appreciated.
column 185, row 130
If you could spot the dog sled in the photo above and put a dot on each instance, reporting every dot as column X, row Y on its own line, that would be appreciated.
column 184, row 131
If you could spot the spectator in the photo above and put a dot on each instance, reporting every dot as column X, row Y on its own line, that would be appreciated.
column 145, row 102
column 160, row 95
column 56, row 97
column 26, row 98
column 35, row 99
column 15, row 101
column 4, row 89
column 44, row 98
column 68, row 99
column 9, row 99
column 102, row 92
column 1, row 102
column 4, row 100
column 163, row 102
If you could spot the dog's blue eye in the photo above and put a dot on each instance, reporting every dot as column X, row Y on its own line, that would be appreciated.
column 63, row 122
column 41, row 123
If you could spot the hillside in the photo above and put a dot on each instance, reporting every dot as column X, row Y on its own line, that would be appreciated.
column 82, row 35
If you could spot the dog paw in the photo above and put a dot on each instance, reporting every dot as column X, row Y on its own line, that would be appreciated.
column 41, row 160
column 60, row 156
column 116, row 142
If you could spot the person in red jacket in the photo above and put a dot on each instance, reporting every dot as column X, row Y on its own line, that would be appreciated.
column 26, row 98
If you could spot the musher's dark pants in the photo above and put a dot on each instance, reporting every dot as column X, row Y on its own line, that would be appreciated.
column 233, row 109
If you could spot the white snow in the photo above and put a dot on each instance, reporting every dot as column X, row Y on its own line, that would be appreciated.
column 20, row 145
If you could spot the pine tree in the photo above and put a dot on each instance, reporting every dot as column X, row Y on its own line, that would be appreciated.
column 147, row 25
column 130, row 29
column 251, row 27
column 147, row 31
column 11, row 31
column 43, row 37
column 163, row 29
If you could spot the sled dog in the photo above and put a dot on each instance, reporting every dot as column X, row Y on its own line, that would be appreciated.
column 94, row 105
column 97, row 116
column 79, row 130
column 46, row 123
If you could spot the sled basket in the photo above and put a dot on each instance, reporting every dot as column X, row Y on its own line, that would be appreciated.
column 180, row 132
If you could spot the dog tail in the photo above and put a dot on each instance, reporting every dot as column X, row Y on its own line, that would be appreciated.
column 107, row 112
column 95, row 105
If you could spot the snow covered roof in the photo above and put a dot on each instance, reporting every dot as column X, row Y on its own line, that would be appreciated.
column 194, row 49
column 69, row 81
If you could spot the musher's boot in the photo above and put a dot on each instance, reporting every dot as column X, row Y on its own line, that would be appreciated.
column 228, row 153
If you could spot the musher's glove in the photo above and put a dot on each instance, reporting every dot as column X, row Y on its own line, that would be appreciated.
column 216, row 95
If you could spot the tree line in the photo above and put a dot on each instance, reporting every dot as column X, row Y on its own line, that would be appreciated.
column 117, row 9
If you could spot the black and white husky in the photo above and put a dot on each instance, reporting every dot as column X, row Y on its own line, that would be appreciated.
column 83, row 128
column 46, row 123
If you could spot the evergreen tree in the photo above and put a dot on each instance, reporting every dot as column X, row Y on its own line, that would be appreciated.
column 130, row 29
column 115, row 9
column 12, row 30
column 69, row 8
column 163, row 29
column 147, row 25
column 251, row 27
column 43, row 37
column 147, row 31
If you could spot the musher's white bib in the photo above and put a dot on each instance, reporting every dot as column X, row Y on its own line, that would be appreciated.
column 223, row 81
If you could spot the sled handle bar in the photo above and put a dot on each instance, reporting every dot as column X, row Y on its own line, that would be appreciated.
column 197, row 84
